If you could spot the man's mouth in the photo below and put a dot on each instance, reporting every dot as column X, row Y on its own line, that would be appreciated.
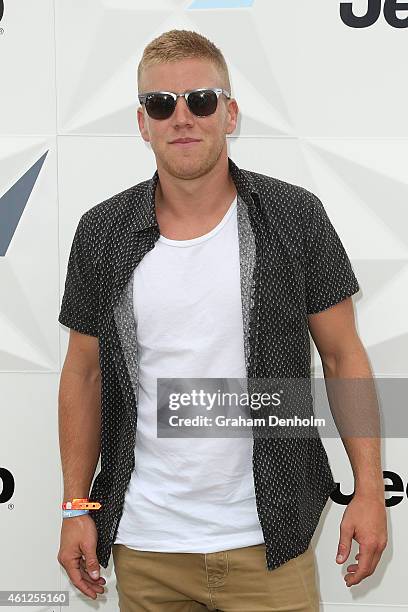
column 185, row 142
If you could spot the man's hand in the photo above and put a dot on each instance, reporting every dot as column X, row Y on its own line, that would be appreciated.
column 365, row 520
column 77, row 554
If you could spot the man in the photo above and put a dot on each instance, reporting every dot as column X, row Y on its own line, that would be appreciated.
column 205, row 271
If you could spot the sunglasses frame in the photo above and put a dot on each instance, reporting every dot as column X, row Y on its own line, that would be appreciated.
column 217, row 90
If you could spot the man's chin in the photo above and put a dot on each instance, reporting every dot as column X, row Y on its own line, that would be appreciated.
column 185, row 167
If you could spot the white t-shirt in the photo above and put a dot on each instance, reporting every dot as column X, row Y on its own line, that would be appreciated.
column 189, row 494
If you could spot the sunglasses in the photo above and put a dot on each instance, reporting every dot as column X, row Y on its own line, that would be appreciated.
column 201, row 102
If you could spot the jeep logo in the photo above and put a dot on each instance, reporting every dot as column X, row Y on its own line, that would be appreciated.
column 391, row 10
column 396, row 486
column 7, row 481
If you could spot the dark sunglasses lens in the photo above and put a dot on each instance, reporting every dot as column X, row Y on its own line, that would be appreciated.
column 203, row 103
column 160, row 106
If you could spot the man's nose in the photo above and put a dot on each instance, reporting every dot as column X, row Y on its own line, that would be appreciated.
column 182, row 112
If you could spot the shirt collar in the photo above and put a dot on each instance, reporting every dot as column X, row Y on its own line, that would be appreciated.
column 243, row 183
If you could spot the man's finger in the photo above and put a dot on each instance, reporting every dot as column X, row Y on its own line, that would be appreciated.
column 354, row 566
column 343, row 548
column 365, row 563
column 100, row 581
column 91, row 561
column 94, row 584
column 375, row 561
column 75, row 576
column 376, row 558
column 97, row 587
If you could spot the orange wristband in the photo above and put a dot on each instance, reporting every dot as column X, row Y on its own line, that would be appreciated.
column 81, row 503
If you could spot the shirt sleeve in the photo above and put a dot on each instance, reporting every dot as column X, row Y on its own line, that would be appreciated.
column 329, row 275
column 80, row 303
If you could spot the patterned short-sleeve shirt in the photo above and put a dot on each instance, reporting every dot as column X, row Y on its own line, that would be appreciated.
column 292, row 263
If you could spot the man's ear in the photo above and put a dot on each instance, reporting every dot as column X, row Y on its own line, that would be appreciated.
column 232, row 116
column 141, row 119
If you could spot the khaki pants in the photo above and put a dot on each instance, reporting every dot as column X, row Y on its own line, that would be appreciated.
column 234, row 580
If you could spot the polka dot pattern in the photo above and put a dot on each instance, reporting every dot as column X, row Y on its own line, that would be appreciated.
column 292, row 263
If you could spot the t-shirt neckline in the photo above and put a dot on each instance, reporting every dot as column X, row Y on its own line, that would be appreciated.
column 199, row 239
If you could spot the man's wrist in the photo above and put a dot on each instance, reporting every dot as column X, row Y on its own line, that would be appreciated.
column 371, row 492
column 77, row 495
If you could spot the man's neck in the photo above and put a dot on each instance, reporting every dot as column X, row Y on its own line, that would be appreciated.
column 184, row 215
column 195, row 198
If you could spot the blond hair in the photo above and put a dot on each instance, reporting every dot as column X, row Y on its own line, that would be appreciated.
column 177, row 45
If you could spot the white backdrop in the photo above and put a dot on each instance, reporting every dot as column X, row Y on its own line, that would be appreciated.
column 322, row 105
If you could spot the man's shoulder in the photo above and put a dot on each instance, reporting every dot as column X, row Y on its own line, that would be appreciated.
column 283, row 194
column 112, row 208
column 290, row 208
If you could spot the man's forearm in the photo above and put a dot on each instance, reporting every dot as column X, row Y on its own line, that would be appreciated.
column 364, row 452
column 79, row 418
